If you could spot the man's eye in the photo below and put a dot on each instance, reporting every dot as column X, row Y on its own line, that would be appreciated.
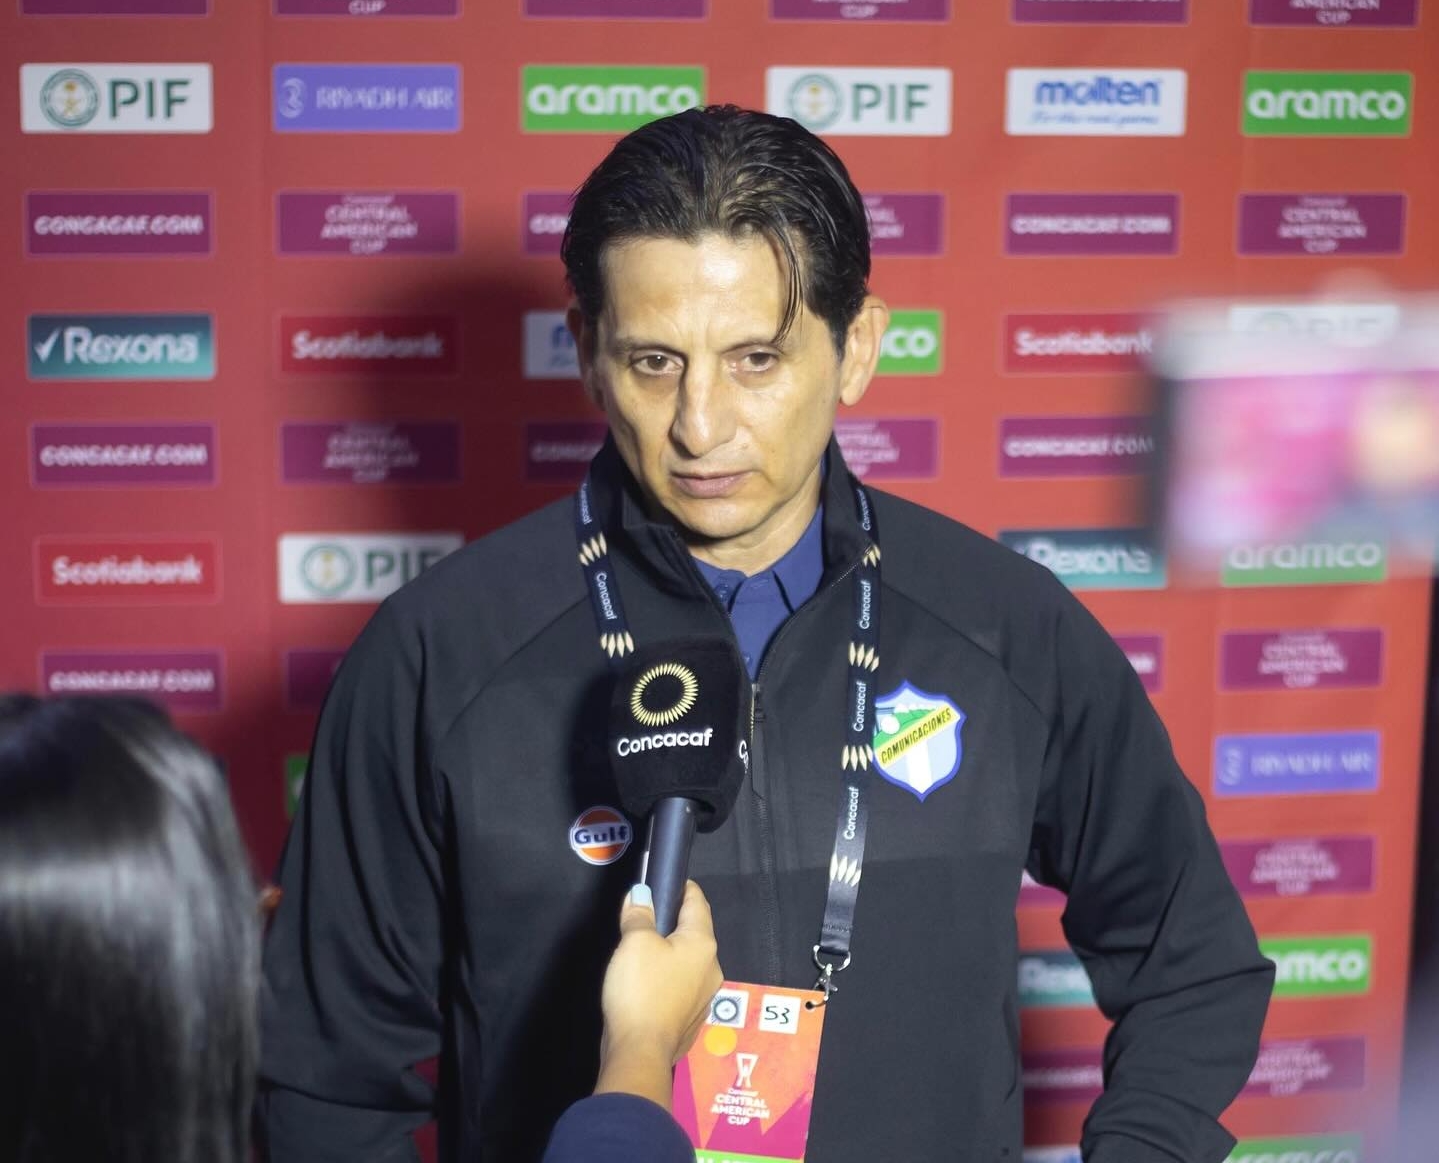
column 654, row 364
column 759, row 361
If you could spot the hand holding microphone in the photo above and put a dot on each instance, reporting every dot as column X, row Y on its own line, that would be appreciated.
column 656, row 995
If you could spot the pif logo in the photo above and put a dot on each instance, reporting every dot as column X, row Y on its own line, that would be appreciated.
column 365, row 567
column 913, row 345
column 1339, row 104
column 600, row 835
column 115, row 98
column 605, row 98
column 862, row 102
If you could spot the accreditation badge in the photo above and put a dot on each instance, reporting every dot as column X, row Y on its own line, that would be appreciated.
column 745, row 1090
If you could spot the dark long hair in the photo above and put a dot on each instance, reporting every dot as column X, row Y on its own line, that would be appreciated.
column 737, row 173
column 129, row 941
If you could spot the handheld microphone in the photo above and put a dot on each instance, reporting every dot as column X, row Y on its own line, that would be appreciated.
column 679, row 731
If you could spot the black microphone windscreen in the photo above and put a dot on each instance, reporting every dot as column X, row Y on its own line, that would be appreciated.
column 679, row 726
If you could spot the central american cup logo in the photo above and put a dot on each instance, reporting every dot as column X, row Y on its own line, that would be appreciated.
column 600, row 835
column 672, row 686
column 916, row 739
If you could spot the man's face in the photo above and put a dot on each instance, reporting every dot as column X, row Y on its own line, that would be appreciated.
column 722, row 426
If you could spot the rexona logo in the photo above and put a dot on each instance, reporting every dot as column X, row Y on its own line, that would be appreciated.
column 1328, row 966
column 862, row 102
column 120, row 347
column 605, row 98
column 115, row 98
column 1309, row 1149
column 1095, row 102
column 1093, row 559
column 1339, row 104
column 356, row 567
column 1307, row 563
column 1053, row 978
column 913, row 345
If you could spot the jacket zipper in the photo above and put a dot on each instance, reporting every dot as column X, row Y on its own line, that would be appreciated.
column 769, row 880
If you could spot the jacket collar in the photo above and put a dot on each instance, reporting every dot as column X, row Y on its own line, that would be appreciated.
column 658, row 548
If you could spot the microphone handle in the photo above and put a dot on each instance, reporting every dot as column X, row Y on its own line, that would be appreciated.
column 667, row 858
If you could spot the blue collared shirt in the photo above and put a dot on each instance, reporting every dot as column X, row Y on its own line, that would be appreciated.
column 759, row 604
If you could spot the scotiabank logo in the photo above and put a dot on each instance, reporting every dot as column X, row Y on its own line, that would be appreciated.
column 397, row 345
column 126, row 571
column 1077, row 344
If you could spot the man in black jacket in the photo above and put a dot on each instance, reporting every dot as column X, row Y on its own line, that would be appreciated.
column 453, row 872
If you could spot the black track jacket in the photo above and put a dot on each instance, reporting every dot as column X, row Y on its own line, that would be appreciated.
column 433, row 907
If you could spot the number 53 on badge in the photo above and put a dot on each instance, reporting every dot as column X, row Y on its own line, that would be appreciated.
column 744, row 1091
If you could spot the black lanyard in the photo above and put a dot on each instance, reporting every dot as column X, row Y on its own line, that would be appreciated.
column 832, row 954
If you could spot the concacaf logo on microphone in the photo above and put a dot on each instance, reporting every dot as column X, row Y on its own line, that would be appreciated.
column 663, row 695
column 600, row 835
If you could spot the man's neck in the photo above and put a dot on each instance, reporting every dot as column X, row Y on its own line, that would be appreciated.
column 758, row 550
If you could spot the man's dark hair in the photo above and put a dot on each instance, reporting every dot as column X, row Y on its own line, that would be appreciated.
column 736, row 173
column 129, row 941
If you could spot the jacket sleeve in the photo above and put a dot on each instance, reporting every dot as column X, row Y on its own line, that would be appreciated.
column 617, row 1128
column 1151, row 913
column 354, row 958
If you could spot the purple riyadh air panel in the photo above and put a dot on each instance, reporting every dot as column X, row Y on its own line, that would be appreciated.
column 1316, row 762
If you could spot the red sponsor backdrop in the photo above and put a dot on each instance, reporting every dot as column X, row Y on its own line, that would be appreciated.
column 379, row 369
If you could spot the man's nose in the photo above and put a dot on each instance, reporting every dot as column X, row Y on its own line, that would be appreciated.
column 704, row 410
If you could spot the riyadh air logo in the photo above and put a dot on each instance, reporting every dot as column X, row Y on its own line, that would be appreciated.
column 69, row 99
column 916, row 739
column 600, row 835
column 664, row 694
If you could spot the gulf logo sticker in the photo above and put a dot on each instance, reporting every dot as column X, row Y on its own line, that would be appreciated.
column 600, row 835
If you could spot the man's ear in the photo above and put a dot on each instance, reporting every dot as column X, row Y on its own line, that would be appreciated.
column 583, row 333
column 861, row 349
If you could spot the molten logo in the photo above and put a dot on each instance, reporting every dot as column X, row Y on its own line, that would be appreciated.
column 600, row 835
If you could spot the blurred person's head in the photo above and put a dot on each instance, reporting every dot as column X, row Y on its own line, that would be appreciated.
column 129, row 941
column 719, row 261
